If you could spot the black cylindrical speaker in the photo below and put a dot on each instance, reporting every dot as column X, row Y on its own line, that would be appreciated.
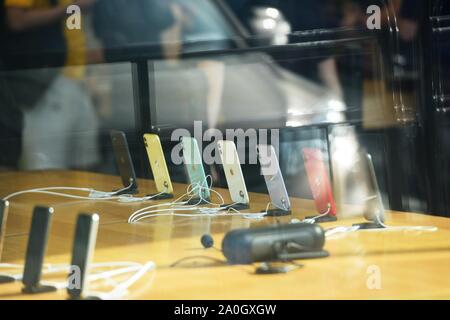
column 274, row 243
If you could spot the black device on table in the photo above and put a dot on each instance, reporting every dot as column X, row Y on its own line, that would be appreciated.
column 82, row 252
column 273, row 243
column 124, row 162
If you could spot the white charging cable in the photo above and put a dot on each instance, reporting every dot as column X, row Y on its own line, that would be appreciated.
column 92, row 194
column 131, row 199
column 57, row 268
column 122, row 289
column 157, row 213
column 119, row 291
column 339, row 232
column 10, row 266
column 51, row 191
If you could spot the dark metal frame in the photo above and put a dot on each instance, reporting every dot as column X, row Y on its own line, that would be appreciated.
column 435, row 115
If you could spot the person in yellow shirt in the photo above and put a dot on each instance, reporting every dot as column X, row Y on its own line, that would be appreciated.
column 60, row 127
column 28, row 14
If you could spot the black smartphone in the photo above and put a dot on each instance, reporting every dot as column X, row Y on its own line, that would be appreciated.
column 123, row 160
column 82, row 253
column 36, row 248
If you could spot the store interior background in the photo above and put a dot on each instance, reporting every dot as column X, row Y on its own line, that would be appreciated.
column 232, row 64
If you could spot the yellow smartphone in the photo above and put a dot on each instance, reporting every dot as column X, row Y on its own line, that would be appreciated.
column 158, row 163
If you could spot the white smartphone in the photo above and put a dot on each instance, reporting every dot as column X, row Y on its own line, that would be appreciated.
column 233, row 172
column 270, row 169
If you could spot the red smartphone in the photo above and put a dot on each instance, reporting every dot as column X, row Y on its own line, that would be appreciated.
column 319, row 181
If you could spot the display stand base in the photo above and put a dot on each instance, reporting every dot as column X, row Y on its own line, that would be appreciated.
column 368, row 226
column 327, row 218
column 196, row 201
column 276, row 268
column 160, row 196
column 236, row 206
column 38, row 289
column 132, row 191
column 84, row 298
column 7, row 279
column 277, row 212
column 282, row 265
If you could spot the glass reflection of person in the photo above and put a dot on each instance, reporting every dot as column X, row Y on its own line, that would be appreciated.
column 11, row 125
column 125, row 23
column 302, row 15
column 60, row 126
column 156, row 25
column 142, row 26
column 122, row 24
column 309, row 15
column 406, row 12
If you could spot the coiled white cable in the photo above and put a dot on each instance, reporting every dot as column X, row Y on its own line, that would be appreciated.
column 122, row 288
column 204, row 212
column 217, row 211
column 177, row 205
column 157, row 213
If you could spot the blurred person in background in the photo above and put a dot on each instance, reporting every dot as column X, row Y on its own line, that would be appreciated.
column 123, row 23
column 157, row 28
column 60, row 126
column 302, row 15
column 310, row 15
column 127, row 24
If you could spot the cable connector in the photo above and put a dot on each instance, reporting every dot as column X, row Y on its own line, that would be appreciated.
column 95, row 194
